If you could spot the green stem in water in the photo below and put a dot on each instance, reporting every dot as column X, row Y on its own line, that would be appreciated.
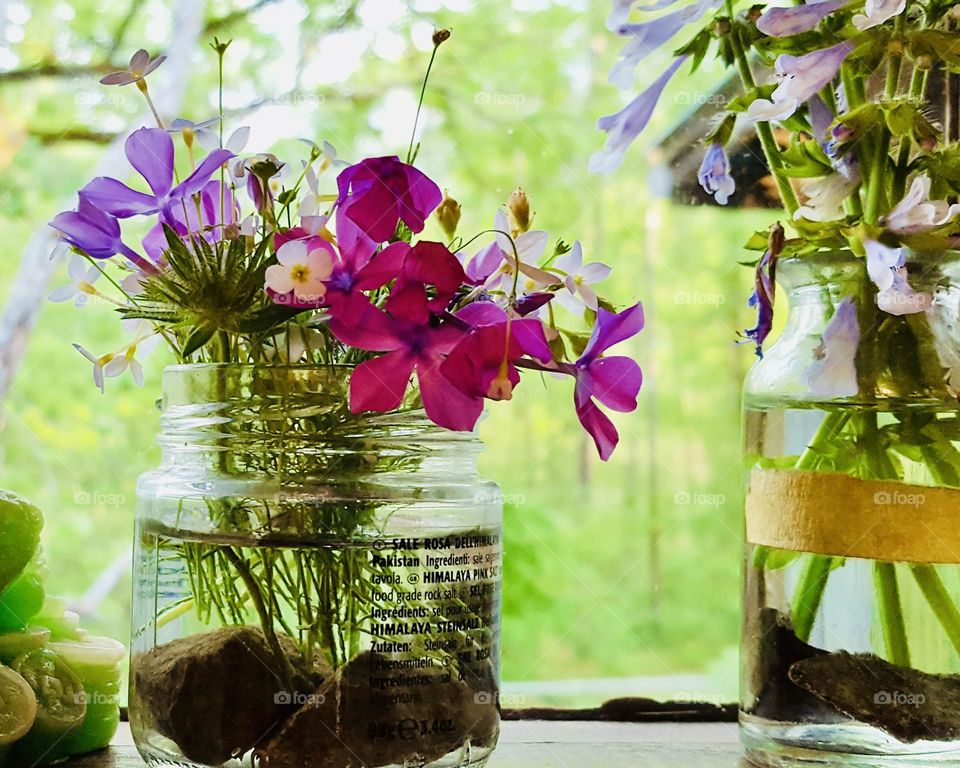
column 939, row 600
column 809, row 594
column 891, row 613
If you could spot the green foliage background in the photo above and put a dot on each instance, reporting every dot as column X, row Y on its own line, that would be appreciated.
column 622, row 570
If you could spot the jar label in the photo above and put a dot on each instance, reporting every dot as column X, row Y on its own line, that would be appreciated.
column 829, row 513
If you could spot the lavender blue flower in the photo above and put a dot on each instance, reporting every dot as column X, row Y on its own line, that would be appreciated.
column 714, row 174
column 833, row 372
column 782, row 22
column 624, row 126
column 648, row 36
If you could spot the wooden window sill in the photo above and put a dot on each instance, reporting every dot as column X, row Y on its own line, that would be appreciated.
column 558, row 745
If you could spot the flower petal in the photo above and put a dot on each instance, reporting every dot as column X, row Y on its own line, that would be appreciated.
column 599, row 427
column 444, row 403
column 379, row 384
column 150, row 151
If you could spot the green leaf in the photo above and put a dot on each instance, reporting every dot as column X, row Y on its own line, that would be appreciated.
column 270, row 316
column 806, row 159
column 197, row 339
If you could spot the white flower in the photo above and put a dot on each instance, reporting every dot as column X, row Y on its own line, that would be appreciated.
column 300, row 270
column 290, row 347
column 250, row 225
column 210, row 140
column 877, row 12
column 833, row 372
column 529, row 247
column 80, row 288
column 916, row 212
column 578, row 279
column 824, row 197
column 98, row 364
column 145, row 340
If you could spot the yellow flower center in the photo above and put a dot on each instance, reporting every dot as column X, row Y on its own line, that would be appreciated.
column 300, row 273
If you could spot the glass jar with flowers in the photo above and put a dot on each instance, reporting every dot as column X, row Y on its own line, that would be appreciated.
column 851, row 627
column 318, row 564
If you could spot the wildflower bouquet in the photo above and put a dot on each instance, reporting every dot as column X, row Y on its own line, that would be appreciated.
column 312, row 539
column 305, row 273
column 865, row 156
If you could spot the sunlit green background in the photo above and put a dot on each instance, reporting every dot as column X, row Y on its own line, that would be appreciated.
column 622, row 578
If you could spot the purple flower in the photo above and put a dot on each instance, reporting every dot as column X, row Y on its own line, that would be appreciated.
column 379, row 192
column 783, row 22
column 624, row 126
column 648, row 36
column 217, row 210
column 762, row 298
column 833, row 372
column 714, row 174
column 613, row 381
column 150, row 151
column 140, row 66
column 95, row 233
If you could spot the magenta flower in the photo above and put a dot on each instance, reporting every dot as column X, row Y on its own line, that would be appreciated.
column 613, row 381
column 624, row 126
column 379, row 192
column 379, row 384
column 782, row 22
column 483, row 364
column 95, row 233
column 150, row 152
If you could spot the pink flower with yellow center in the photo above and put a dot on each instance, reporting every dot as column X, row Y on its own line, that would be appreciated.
column 302, row 270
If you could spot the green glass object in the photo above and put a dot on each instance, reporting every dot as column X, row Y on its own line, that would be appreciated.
column 21, row 601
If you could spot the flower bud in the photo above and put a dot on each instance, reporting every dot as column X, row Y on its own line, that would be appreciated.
column 519, row 208
column 924, row 61
column 448, row 214
column 440, row 36
column 722, row 27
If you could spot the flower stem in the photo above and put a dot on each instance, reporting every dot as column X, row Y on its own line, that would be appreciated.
column 891, row 613
column 939, row 600
column 423, row 92
column 809, row 594
column 764, row 132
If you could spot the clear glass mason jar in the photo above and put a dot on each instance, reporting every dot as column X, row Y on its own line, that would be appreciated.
column 312, row 587
column 851, row 630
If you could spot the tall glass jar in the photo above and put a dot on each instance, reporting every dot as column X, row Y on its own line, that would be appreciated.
column 851, row 632
column 312, row 587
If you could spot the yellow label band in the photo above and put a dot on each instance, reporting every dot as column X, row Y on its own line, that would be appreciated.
column 833, row 514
